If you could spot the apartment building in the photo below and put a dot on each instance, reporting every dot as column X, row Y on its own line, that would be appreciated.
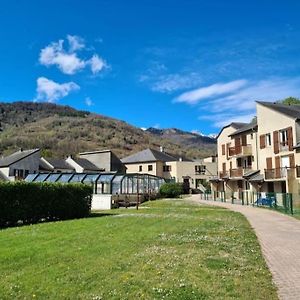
column 172, row 167
column 261, row 156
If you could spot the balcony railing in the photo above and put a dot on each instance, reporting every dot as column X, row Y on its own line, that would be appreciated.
column 224, row 174
column 240, row 151
column 279, row 173
column 239, row 172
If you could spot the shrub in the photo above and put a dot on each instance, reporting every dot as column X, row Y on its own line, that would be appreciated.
column 28, row 203
column 171, row 190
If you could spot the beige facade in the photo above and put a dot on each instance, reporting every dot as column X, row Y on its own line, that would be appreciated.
column 192, row 173
column 261, row 158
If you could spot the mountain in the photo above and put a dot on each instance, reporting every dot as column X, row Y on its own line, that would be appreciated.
column 186, row 138
column 61, row 130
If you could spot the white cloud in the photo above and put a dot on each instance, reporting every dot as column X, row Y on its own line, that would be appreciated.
column 68, row 62
column 88, row 101
column 97, row 64
column 51, row 91
column 173, row 82
column 75, row 43
column 272, row 89
column 194, row 96
column 222, row 119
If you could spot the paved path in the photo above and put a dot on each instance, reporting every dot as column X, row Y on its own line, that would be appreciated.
column 279, row 236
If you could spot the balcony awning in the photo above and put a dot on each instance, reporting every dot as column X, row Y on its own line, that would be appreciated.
column 215, row 179
column 257, row 178
column 250, row 173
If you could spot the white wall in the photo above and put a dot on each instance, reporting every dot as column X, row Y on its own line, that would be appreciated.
column 101, row 202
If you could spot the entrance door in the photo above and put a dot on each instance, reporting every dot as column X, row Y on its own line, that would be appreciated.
column 186, row 185
column 285, row 163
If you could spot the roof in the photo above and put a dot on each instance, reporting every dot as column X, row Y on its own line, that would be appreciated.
column 292, row 111
column 251, row 173
column 58, row 163
column 257, row 178
column 152, row 155
column 94, row 152
column 236, row 125
column 252, row 126
column 44, row 165
column 17, row 156
column 86, row 164
column 3, row 177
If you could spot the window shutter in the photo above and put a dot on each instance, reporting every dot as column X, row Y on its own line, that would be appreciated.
column 262, row 140
column 223, row 149
column 244, row 140
column 290, row 138
column 292, row 160
column 224, row 168
column 237, row 144
column 276, row 141
column 277, row 166
column 269, row 163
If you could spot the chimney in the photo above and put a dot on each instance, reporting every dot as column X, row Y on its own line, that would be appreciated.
column 161, row 149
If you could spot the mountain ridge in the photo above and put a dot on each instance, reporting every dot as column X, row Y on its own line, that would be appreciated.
column 60, row 130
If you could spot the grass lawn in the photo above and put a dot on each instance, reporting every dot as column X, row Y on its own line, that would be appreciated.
column 165, row 250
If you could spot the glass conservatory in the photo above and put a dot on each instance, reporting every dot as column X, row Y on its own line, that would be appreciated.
column 105, row 183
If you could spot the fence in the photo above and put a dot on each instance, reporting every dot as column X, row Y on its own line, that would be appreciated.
column 284, row 202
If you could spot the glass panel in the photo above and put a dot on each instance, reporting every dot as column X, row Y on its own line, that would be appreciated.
column 65, row 177
column 53, row 177
column 77, row 178
column 116, row 184
column 90, row 178
column 41, row 177
column 106, row 178
column 30, row 177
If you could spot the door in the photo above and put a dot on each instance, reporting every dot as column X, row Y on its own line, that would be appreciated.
column 285, row 164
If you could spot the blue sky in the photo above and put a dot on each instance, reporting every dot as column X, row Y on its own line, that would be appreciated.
column 194, row 65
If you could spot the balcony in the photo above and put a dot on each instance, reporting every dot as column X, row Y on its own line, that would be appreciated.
column 280, row 173
column 224, row 174
column 239, row 172
column 240, row 151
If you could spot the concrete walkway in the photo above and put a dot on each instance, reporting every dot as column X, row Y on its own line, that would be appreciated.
column 279, row 237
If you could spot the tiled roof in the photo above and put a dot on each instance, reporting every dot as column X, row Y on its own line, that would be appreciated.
column 250, row 126
column 292, row 111
column 15, row 157
column 59, row 163
column 86, row 164
column 236, row 125
column 151, row 155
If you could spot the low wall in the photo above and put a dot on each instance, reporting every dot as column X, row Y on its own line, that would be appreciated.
column 101, row 202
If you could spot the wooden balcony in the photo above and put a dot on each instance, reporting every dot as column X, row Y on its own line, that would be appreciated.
column 224, row 174
column 280, row 173
column 239, row 172
column 240, row 151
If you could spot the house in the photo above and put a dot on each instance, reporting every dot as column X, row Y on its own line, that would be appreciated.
column 261, row 156
column 170, row 166
column 105, row 160
column 55, row 165
column 82, row 165
column 19, row 164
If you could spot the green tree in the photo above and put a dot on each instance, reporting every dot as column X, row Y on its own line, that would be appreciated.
column 290, row 101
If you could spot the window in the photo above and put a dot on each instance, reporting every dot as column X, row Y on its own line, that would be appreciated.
column 166, row 168
column 140, row 168
column 223, row 150
column 251, row 136
column 268, row 139
column 200, row 169
column 284, row 137
column 150, row 168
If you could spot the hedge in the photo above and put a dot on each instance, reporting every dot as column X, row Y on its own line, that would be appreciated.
column 171, row 190
column 27, row 203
